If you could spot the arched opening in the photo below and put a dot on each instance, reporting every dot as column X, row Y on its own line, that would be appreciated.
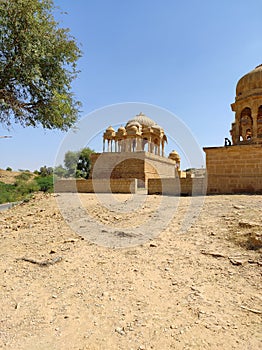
column 156, row 147
column 145, row 141
column 259, row 118
column 246, row 125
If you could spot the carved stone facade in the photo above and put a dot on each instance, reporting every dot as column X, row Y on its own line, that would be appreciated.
column 247, row 127
column 135, row 151
column 140, row 134
column 238, row 168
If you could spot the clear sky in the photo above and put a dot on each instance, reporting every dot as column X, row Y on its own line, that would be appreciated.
column 185, row 56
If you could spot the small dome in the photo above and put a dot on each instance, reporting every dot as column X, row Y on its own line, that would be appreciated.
column 250, row 82
column 174, row 155
column 132, row 129
column 142, row 119
column 156, row 126
column 132, row 123
column 110, row 129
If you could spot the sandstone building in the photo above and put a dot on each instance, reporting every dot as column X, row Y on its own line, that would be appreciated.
column 237, row 167
column 135, row 151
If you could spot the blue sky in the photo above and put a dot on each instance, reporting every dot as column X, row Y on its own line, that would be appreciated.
column 183, row 56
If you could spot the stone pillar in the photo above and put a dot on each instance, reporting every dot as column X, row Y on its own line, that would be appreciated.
column 237, row 126
column 163, row 148
column 254, row 118
column 104, row 145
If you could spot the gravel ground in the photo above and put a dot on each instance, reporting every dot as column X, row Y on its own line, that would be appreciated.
column 187, row 282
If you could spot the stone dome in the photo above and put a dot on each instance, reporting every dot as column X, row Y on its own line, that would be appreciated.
column 142, row 119
column 110, row 129
column 174, row 155
column 250, row 83
column 121, row 129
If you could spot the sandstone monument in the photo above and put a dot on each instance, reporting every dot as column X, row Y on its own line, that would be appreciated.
column 237, row 167
column 134, row 155
column 135, row 151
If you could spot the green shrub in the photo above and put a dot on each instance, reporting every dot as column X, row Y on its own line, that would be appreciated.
column 25, row 176
column 23, row 188
column 8, row 168
column 45, row 183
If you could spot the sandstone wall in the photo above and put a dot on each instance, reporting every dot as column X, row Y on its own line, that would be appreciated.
column 98, row 186
column 176, row 187
column 234, row 169
column 140, row 165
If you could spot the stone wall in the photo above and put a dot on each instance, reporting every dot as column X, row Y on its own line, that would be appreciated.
column 176, row 187
column 140, row 165
column 98, row 186
column 234, row 169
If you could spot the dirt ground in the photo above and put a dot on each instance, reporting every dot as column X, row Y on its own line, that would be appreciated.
column 197, row 288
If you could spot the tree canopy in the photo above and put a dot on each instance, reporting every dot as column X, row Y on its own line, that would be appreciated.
column 77, row 164
column 37, row 66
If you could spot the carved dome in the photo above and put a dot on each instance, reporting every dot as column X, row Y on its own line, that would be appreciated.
column 174, row 155
column 141, row 119
column 250, row 83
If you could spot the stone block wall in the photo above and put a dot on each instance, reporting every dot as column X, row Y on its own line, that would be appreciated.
column 140, row 165
column 98, row 185
column 234, row 169
column 177, row 187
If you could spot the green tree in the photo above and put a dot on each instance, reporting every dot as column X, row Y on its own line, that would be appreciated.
column 45, row 171
column 70, row 161
column 78, row 163
column 37, row 66
column 84, row 164
column 60, row 171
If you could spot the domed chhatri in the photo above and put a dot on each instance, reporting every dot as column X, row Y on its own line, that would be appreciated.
column 237, row 167
column 247, row 127
column 142, row 119
column 250, row 83
column 141, row 133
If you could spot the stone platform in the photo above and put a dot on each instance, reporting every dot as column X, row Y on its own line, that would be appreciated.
column 137, row 165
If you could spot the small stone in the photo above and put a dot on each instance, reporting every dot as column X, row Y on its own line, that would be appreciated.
column 236, row 262
column 238, row 206
column 120, row 330
column 255, row 241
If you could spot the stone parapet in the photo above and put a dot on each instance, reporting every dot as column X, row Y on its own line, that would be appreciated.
column 177, row 187
column 97, row 186
column 234, row 169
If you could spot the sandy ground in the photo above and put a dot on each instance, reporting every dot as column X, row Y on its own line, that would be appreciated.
column 8, row 177
column 192, row 289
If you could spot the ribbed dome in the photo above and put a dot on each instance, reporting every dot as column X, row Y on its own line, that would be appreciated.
column 250, row 83
column 141, row 119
